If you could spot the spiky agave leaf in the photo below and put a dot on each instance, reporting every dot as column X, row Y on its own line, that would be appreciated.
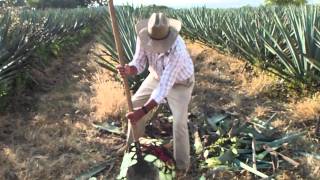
column 127, row 18
column 23, row 32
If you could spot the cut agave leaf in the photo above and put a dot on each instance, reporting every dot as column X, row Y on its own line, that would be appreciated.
column 250, row 169
column 244, row 151
column 253, row 132
column 228, row 156
column 289, row 160
column 259, row 123
column 310, row 155
column 206, row 153
column 106, row 126
column 263, row 154
column 268, row 122
column 93, row 171
column 202, row 177
column 197, row 143
column 127, row 161
column 213, row 162
column 284, row 157
column 286, row 139
column 214, row 120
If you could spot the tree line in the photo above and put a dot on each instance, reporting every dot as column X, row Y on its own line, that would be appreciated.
column 43, row 4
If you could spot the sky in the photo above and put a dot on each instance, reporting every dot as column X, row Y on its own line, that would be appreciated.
column 193, row 3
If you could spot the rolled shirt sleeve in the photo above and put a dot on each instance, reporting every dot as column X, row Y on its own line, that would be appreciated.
column 139, row 59
column 167, row 80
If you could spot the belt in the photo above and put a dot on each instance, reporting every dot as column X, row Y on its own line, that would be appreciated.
column 188, row 82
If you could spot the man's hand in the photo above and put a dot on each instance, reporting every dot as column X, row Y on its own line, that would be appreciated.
column 126, row 70
column 135, row 116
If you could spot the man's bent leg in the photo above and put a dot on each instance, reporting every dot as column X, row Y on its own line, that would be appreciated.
column 138, row 100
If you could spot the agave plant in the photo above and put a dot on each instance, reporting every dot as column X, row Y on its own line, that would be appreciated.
column 284, row 41
column 206, row 21
column 23, row 32
column 297, row 53
column 16, row 46
column 127, row 18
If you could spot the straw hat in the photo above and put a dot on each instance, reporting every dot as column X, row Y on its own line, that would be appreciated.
column 158, row 33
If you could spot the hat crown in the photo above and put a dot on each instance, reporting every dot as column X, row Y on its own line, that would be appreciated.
column 158, row 26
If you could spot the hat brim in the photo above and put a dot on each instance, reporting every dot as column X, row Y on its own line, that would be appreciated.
column 158, row 46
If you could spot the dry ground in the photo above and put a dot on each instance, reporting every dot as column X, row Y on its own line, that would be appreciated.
column 48, row 132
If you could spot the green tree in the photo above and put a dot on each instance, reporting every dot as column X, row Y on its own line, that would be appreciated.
column 286, row 2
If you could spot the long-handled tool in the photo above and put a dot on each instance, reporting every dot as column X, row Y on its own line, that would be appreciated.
column 142, row 169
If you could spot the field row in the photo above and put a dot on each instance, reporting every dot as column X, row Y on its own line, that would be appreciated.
column 284, row 41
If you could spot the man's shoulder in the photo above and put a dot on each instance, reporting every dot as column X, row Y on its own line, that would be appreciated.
column 180, row 44
column 180, row 39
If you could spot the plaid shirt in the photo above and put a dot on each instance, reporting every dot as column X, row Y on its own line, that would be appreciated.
column 173, row 66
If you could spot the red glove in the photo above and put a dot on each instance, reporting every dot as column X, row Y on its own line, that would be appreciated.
column 135, row 116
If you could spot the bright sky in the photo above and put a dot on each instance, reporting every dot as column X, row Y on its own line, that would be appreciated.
column 192, row 3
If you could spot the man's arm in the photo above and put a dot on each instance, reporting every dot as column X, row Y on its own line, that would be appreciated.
column 137, row 65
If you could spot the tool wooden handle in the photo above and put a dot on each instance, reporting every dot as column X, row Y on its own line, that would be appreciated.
column 116, row 34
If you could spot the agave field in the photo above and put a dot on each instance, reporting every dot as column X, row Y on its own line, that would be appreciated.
column 23, row 32
column 283, row 41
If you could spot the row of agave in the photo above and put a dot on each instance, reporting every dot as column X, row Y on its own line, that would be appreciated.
column 23, row 31
column 284, row 41
column 127, row 17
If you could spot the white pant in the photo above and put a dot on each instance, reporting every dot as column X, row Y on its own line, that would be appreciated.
column 178, row 98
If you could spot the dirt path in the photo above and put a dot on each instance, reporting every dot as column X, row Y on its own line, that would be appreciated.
column 49, row 134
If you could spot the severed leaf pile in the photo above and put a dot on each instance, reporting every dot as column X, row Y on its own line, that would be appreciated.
column 226, row 143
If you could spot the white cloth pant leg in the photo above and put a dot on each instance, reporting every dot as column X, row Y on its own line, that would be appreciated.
column 179, row 98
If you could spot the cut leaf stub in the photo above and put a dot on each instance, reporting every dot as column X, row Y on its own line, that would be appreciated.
column 109, row 127
column 216, row 119
column 95, row 170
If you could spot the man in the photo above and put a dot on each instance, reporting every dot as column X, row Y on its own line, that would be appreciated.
column 171, row 77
